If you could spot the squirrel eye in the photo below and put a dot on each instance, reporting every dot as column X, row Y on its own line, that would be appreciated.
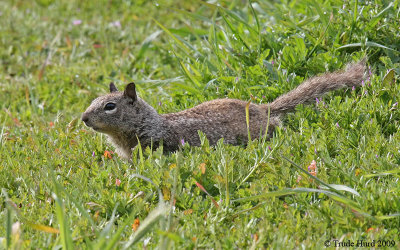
column 110, row 106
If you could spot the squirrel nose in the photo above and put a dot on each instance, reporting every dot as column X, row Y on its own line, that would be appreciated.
column 85, row 118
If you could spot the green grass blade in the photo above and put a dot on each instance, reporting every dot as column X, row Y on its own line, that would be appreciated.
column 104, row 234
column 65, row 233
column 80, row 208
column 386, row 173
column 11, row 206
column 248, row 121
column 178, row 42
column 355, row 11
column 151, row 84
column 116, row 237
column 279, row 193
column 227, row 195
column 387, row 217
column 267, row 127
column 288, row 191
column 307, row 21
column 237, row 18
column 368, row 44
column 175, row 237
column 2, row 131
column 188, row 74
column 194, row 16
column 146, row 43
column 258, row 27
column 320, row 38
column 307, row 173
column 343, row 188
column 267, row 154
column 375, row 20
column 148, row 223
column 187, row 88
column 160, row 195
column 333, row 187
column 8, row 225
column 141, row 157
column 236, row 33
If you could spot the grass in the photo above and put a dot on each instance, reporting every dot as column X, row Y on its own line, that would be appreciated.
column 60, row 187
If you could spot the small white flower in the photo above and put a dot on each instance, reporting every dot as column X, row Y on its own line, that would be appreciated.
column 76, row 22
column 116, row 24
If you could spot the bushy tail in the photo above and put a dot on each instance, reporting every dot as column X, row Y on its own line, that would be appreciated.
column 318, row 86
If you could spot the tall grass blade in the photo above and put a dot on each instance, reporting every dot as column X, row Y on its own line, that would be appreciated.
column 375, row 20
column 387, row 217
column 238, row 18
column 11, row 206
column 307, row 173
column 367, row 44
column 117, row 235
column 2, row 131
column 103, row 236
column 355, row 11
column 80, row 208
column 343, row 188
column 207, row 193
column 194, row 15
column 141, row 157
column 150, row 83
column 267, row 127
column 8, row 225
column 258, row 27
column 65, row 233
column 187, row 88
column 257, row 163
column 332, row 187
column 237, row 35
column 289, row 191
column 320, row 38
column 248, row 121
column 180, row 44
column 213, row 40
column 154, row 216
column 386, row 173
column 160, row 195
column 189, row 75
column 227, row 195
column 146, row 43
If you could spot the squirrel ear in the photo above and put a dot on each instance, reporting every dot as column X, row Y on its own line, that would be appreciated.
column 113, row 88
column 130, row 91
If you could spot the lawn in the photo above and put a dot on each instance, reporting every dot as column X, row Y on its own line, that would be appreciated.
column 62, row 185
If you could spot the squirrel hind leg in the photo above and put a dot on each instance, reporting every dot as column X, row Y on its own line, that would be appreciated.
column 274, row 122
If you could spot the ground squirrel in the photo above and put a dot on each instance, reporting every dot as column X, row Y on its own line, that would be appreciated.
column 126, row 118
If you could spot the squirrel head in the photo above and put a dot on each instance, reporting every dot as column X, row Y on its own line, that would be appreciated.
column 118, row 112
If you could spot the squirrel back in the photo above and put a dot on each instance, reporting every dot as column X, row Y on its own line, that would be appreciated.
column 128, row 120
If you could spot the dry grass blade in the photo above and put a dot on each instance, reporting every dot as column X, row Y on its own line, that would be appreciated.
column 208, row 194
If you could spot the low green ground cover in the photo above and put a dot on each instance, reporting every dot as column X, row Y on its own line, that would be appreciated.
column 61, row 185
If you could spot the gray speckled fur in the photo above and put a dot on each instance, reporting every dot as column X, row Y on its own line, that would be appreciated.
column 134, row 119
